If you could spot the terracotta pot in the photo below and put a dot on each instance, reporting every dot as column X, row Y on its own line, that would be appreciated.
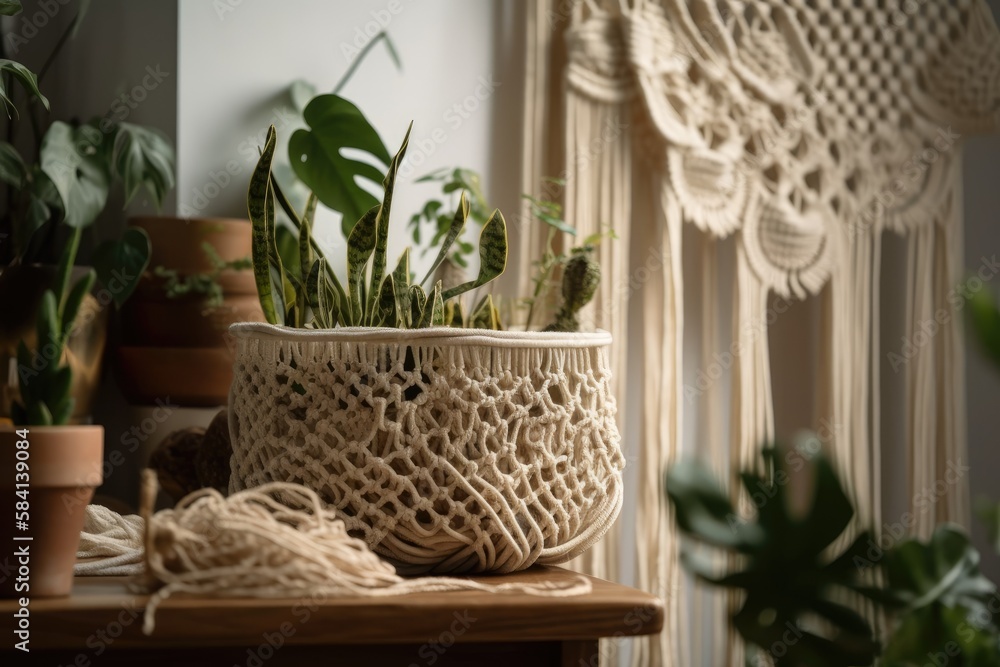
column 21, row 290
column 187, row 376
column 179, row 347
column 151, row 318
column 63, row 469
column 176, row 242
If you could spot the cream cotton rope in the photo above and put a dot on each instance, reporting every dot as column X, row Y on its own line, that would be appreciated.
column 273, row 541
column 278, row 541
column 110, row 544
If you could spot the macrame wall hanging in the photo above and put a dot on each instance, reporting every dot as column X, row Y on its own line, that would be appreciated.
column 800, row 132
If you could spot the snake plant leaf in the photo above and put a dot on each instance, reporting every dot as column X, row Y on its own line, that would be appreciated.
column 382, row 224
column 48, row 328
column 485, row 315
column 62, row 410
column 284, row 203
column 321, row 296
column 317, row 158
column 75, row 298
column 433, row 310
column 60, row 383
column 304, row 259
column 492, row 255
column 312, row 283
column 418, row 301
column 333, row 298
column 341, row 295
column 287, row 242
column 305, row 236
column 25, row 77
column 260, row 209
column 454, row 231
column 986, row 322
column 39, row 414
column 454, row 314
column 291, row 298
column 387, row 315
column 401, row 285
column 360, row 246
column 71, row 159
column 120, row 262
column 437, row 311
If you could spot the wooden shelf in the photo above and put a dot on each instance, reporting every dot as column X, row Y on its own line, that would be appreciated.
column 103, row 614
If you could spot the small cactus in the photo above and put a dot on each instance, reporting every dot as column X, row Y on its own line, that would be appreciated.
column 580, row 279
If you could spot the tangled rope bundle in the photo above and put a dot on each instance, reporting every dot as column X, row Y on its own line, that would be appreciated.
column 446, row 450
column 274, row 541
column 110, row 544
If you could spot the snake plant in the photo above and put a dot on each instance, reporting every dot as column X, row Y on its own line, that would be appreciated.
column 44, row 379
column 372, row 294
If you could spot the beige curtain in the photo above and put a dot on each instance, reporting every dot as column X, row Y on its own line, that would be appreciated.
column 791, row 135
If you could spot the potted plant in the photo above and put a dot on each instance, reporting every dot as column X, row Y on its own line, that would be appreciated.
column 446, row 443
column 49, row 469
column 806, row 576
column 61, row 188
column 200, row 281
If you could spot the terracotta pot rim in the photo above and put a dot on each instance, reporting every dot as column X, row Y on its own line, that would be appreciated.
column 173, row 220
column 8, row 428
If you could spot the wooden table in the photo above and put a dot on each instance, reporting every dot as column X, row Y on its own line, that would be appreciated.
column 101, row 625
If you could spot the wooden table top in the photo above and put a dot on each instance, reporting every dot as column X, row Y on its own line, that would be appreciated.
column 104, row 604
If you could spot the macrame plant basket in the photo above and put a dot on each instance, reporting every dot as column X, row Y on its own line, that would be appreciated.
column 446, row 450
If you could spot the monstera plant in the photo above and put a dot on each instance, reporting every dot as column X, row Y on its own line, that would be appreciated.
column 65, row 184
column 56, row 190
column 805, row 599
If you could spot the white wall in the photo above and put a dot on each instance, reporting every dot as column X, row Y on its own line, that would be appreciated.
column 236, row 60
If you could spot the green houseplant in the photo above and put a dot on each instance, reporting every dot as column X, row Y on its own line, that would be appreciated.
column 403, row 406
column 940, row 607
column 51, row 469
column 60, row 187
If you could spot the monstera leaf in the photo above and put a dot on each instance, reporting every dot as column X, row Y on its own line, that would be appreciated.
column 71, row 159
column 22, row 75
column 143, row 157
column 786, row 575
column 317, row 157
column 119, row 263
column 945, row 603
column 943, row 571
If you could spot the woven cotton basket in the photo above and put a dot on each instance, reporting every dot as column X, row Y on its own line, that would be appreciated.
column 446, row 450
